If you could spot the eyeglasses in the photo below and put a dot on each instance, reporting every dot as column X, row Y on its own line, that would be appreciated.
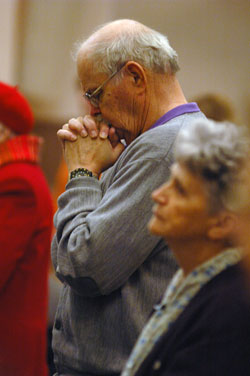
column 94, row 98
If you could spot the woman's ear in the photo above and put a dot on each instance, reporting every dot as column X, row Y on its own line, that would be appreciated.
column 222, row 226
column 136, row 73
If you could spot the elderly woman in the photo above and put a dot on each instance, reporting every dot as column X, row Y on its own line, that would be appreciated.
column 242, row 205
column 202, row 325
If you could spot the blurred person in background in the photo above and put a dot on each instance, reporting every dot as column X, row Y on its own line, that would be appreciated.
column 216, row 107
column 25, row 236
column 202, row 324
column 113, row 270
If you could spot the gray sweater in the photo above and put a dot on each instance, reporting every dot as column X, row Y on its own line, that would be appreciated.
column 112, row 268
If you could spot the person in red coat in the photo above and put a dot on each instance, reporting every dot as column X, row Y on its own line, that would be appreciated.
column 25, row 235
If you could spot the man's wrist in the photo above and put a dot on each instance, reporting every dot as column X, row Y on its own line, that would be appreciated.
column 79, row 172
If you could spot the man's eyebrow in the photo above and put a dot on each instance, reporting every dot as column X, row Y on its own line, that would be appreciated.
column 91, row 88
column 89, row 91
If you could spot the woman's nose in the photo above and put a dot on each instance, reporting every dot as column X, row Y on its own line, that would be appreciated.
column 160, row 195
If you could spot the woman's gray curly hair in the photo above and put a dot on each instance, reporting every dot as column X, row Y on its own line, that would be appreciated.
column 216, row 151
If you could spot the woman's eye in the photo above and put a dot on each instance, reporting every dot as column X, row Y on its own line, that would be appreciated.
column 179, row 188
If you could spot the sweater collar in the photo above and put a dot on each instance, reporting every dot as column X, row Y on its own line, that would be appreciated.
column 176, row 111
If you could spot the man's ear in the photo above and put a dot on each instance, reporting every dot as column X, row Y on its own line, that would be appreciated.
column 136, row 73
column 222, row 225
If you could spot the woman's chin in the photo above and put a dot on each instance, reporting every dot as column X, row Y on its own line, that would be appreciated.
column 154, row 227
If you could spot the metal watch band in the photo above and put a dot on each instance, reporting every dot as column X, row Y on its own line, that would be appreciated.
column 78, row 172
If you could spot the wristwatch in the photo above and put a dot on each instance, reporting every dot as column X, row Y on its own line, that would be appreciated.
column 80, row 172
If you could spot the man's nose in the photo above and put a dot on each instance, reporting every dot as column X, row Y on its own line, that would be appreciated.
column 94, row 110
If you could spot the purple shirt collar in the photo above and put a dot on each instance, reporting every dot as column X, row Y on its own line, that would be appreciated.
column 177, row 111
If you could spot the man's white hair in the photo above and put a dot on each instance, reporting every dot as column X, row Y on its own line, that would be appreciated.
column 117, row 42
column 216, row 151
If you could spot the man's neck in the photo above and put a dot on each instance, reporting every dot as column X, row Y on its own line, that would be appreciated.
column 166, row 94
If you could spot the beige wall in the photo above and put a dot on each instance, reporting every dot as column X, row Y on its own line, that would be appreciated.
column 210, row 36
column 8, row 21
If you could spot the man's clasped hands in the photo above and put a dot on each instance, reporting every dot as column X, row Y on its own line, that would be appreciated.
column 90, row 143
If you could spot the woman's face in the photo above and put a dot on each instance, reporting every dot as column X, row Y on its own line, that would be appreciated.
column 181, row 209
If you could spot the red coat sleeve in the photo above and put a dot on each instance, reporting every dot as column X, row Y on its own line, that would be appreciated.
column 17, row 219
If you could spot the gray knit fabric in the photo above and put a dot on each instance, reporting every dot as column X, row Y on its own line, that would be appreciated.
column 113, row 270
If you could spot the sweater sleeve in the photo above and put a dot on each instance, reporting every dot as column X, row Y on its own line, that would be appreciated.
column 102, row 239
column 17, row 213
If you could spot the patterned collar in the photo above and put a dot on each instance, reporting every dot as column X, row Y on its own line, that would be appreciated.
column 19, row 149
column 177, row 296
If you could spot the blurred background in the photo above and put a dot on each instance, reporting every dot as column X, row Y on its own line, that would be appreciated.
column 37, row 37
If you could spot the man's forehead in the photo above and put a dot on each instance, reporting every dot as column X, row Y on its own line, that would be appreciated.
column 84, row 65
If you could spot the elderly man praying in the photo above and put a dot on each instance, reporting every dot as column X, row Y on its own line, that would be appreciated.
column 113, row 270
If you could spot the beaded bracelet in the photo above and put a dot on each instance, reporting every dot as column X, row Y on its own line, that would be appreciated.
column 80, row 172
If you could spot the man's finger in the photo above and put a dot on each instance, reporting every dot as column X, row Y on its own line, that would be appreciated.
column 76, row 126
column 66, row 135
column 113, row 137
column 91, row 126
column 104, row 131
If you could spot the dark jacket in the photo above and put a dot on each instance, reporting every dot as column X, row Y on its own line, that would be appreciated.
column 212, row 335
